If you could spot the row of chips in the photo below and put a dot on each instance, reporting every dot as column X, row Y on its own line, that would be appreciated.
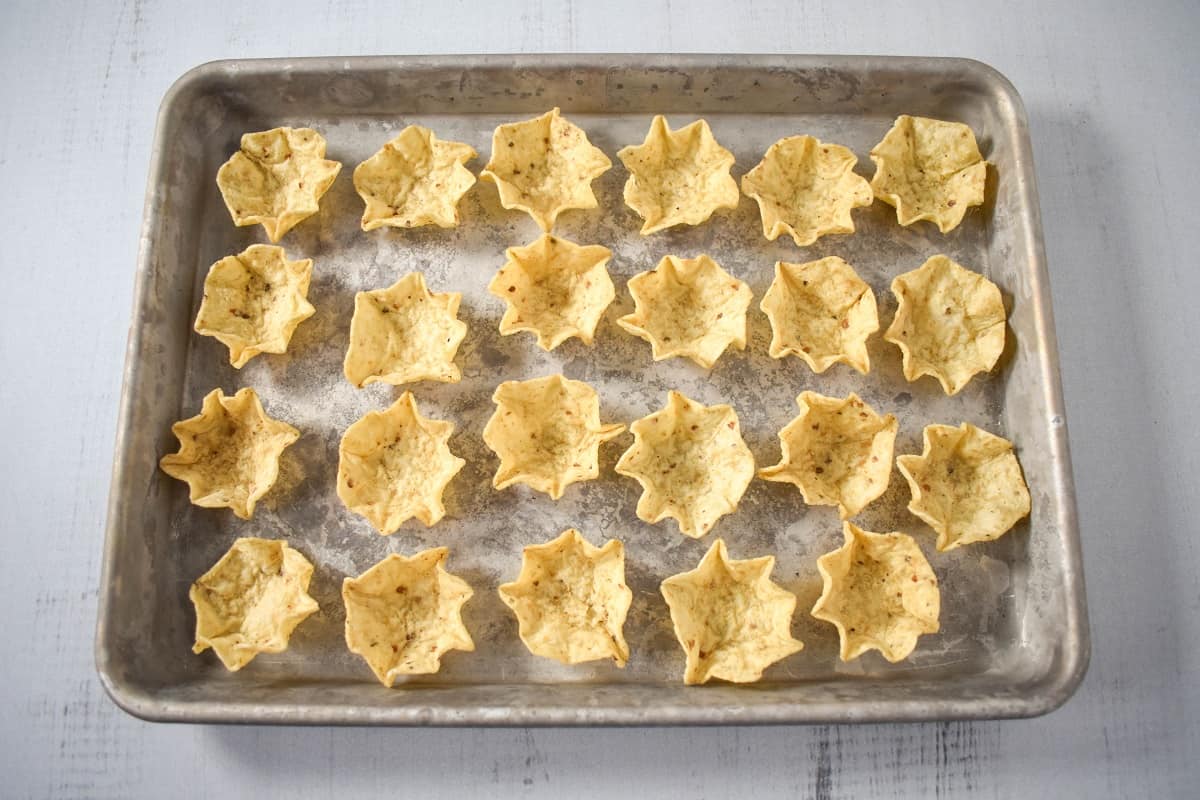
column 927, row 169
column 570, row 599
column 690, row 459
column 950, row 321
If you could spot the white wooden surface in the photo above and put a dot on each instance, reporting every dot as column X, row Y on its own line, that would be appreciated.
column 1114, row 134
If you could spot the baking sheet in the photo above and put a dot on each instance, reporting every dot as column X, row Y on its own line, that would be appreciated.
column 1013, row 634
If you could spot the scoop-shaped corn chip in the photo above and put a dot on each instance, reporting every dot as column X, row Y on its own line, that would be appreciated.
column 544, row 166
column 880, row 592
column 822, row 312
column 395, row 464
column 929, row 169
column 691, row 462
column 404, row 334
column 547, row 433
column 806, row 188
column 571, row 600
column 949, row 323
column 253, row 301
column 251, row 601
column 966, row 484
column 555, row 288
column 415, row 179
column 731, row 619
column 688, row 307
column 276, row 179
column 229, row 452
column 837, row 451
column 678, row 177
column 404, row 614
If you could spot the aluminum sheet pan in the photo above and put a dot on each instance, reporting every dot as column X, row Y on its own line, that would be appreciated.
column 1014, row 637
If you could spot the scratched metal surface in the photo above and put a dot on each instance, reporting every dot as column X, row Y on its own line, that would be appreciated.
column 80, row 84
column 1012, row 639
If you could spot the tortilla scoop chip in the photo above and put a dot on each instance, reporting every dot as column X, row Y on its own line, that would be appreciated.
column 806, row 188
column 253, row 301
column 880, row 592
column 547, row 433
column 966, row 484
column 405, row 613
column 251, row 601
column 730, row 618
column 276, row 179
column 415, row 179
column 837, row 452
column 404, row 334
column 554, row 288
column 688, row 307
column 229, row 452
column 571, row 600
column 929, row 169
column 949, row 323
column 394, row 465
column 544, row 166
column 691, row 462
column 822, row 312
column 678, row 177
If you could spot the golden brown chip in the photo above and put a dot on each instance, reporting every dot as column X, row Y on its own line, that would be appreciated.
column 404, row 334
column 415, row 179
column 276, row 179
column 547, row 433
column 395, row 464
column 837, row 451
column 253, row 301
column 691, row 462
column 404, row 614
column 678, row 177
column 571, row 600
column 688, row 307
column 929, row 169
column 732, row 620
column 880, row 592
column 251, row 601
column 544, row 166
column 949, row 323
column 555, row 288
column 229, row 453
column 822, row 312
column 806, row 188
column 966, row 484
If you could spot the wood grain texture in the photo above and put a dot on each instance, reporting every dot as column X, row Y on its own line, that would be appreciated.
column 1112, row 123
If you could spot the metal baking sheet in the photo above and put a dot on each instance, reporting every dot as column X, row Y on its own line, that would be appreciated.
column 1014, row 637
